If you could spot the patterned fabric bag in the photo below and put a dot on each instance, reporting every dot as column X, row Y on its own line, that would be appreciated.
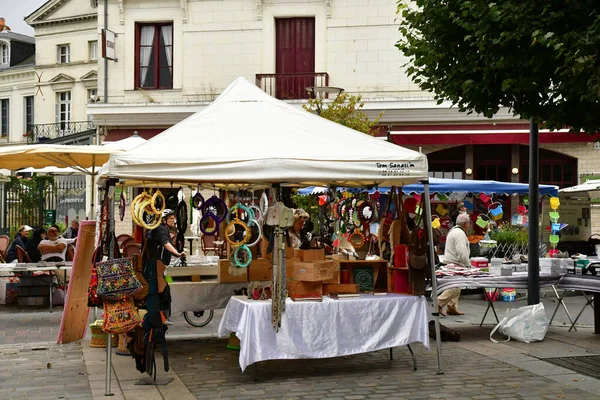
column 117, row 279
column 120, row 316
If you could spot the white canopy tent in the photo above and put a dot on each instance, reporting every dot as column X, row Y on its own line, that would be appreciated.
column 589, row 189
column 248, row 139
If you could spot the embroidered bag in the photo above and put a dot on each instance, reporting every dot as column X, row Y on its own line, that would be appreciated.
column 93, row 299
column 120, row 316
column 117, row 279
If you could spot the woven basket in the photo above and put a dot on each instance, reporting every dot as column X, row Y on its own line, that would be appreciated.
column 99, row 338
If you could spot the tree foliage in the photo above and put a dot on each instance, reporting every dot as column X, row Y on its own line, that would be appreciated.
column 538, row 58
column 346, row 109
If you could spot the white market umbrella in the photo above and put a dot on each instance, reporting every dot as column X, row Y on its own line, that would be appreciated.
column 51, row 170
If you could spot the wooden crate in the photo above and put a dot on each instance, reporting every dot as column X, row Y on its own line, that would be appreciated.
column 379, row 268
column 225, row 276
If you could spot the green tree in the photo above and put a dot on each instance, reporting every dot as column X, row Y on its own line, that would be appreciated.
column 346, row 109
column 538, row 58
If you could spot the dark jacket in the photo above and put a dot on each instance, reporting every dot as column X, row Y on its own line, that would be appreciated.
column 32, row 248
column 11, row 254
column 159, row 237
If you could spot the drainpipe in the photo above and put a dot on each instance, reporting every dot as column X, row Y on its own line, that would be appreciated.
column 105, row 59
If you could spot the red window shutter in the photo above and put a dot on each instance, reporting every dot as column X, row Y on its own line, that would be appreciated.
column 295, row 54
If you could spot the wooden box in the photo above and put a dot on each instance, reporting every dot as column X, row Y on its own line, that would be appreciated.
column 225, row 276
column 310, row 255
column 340, row 288
column 313, row 271
column 260, row 270
column 336, row 273
column 379, row 269
column 303, row 289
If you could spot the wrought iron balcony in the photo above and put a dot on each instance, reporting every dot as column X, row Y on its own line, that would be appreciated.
column 291, row 86
column 41, row 133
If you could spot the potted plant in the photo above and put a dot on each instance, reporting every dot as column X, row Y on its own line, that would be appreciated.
column 4, row 135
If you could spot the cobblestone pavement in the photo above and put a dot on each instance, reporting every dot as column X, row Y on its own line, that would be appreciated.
column 28, row 325
column 474, row 368
column 210, row 371
column 43, row 372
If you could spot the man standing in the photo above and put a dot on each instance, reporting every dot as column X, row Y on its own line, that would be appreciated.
column 456, row 252
column 160, row 246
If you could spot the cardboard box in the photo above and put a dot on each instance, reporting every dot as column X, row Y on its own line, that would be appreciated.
column 225, row 276
column 297, row 289
column 310, row 255
column 313, row 271
column 340, row 288
column 260, row 270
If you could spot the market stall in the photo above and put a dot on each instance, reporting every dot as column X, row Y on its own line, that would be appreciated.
column 253, row 150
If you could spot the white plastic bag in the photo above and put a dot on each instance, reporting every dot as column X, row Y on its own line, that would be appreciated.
column 525, row 324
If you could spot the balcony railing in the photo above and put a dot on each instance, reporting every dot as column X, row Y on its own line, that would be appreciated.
column 291, row 86
column 41, row 133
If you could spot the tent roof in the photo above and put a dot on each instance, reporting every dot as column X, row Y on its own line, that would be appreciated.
column 590, row 188
column 439, row 185
column 248, row 138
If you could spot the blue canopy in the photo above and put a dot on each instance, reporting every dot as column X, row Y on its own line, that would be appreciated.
column 439, row 185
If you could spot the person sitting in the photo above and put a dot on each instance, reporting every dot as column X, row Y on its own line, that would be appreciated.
column 54, row 248
column 72, row 231
column 21, row 239
column 33, row 252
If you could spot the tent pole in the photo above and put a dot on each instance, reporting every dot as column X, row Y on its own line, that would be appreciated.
column 435, row 313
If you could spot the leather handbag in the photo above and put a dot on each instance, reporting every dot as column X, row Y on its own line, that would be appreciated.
column 120, row 316
column 117, row 279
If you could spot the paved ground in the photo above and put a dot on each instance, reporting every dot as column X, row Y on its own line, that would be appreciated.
column 203, row 368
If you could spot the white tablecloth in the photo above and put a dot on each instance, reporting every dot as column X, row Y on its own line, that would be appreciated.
column 331, row 328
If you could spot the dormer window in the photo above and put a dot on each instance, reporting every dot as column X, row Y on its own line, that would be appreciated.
column 4, row 53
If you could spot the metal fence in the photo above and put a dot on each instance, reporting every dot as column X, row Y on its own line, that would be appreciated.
column 506, row 250
column 33, row 202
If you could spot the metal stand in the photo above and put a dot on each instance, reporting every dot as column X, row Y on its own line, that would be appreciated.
column 414, row 359
column 108, row 365
column 435, row 313
column 589, row 302
column 561, row 301
column 490, row 304
column 153, row 380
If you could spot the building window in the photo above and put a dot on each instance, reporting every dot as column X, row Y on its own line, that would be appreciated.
column 63, row 111
column 63, row 53
column 4, row 53
column 29, row 114
column 93, row 50
column 154, row 56
column 92, row 95
column 4, row 116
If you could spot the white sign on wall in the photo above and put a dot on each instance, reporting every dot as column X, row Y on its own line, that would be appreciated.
column 574, row 212
column 108, row 44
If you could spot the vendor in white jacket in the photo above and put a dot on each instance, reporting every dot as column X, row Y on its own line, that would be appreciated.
column 457, row 252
